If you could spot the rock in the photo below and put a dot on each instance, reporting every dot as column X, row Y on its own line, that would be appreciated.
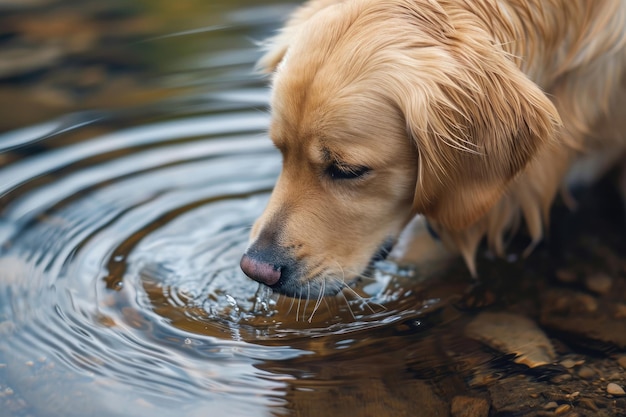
column 586, row 373
column 599, row 283
column 614, row 389
column 559, row 379
column 550, row 406
column 562, row 409
column 568, row 363
column 463, row 406
column 512, row 334
column 622, row 361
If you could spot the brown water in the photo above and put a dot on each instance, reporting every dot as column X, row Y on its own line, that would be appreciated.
column 134, row 160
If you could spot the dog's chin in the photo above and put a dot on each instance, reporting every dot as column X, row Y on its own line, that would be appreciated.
column 329, row 286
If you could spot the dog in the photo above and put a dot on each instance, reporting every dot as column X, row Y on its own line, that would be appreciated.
column 471, row 114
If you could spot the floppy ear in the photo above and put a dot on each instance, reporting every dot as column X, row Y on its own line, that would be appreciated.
column 477, row 121
column 275, row 48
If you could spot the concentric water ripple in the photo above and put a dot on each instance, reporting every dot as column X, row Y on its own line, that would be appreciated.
column 120, row 291
column 120, row 272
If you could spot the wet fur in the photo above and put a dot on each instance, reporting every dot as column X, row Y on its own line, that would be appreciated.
column 470, row 112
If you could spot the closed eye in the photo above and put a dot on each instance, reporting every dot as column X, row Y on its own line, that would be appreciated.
column 346, row 172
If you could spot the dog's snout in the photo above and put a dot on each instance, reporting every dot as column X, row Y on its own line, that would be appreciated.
column 259, row 270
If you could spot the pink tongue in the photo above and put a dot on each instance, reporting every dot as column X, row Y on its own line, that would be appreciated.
column 259, row 271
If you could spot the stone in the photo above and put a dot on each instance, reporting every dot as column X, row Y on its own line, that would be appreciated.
column 599, row 283
column 614, row 389
column 513, row 334
column 586, row 372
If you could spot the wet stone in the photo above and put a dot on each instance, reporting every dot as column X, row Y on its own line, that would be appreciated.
column 568, row 363
column 562, row 409
column 513, row 334
column 599, row 283
column 559, row 379
column 463, row 406
column 615, row 389
column 550, row 406
column 586, row 372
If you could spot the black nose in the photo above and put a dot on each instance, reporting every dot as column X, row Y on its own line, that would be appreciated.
column 263, row 272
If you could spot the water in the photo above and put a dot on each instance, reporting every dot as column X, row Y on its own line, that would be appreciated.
column 121, row 230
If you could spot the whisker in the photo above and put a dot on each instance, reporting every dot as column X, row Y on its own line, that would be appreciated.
column 293, row 300
column 299, row 301
column 320, row 295
column 360, row 298
column 308, row 296
column 343, row 282
column 348, row 305
column 357, row 295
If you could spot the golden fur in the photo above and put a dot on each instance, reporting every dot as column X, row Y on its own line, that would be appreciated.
column 470, row 112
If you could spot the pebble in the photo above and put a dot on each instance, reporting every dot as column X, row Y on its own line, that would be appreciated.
column 464, row 406
column 568, row 363
column 561, row 378
column 615, row 389
column 599, row 283
column 622, row 361
column 573, row 395
column 513, row 334
column 562, row 409
column 550, row 406
column 586, row 373
column 588, row 403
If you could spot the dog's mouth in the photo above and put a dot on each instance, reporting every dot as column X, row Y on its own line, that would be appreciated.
column 320, row 285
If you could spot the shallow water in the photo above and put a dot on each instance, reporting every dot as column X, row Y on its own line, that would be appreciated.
column 120, row 235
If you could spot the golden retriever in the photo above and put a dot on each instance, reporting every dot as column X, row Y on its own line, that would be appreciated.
column 471, row 113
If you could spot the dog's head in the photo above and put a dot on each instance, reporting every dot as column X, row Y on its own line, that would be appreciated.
column 385, row 109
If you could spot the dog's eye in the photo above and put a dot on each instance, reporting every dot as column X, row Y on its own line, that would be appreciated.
column 346, row 172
